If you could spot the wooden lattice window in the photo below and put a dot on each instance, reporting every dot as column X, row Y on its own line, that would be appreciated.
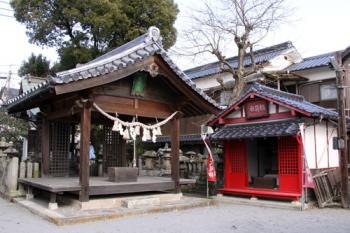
column 288, row 156
column 34, row 145
column 111, row 148
column 238, row 153
column 59, row 148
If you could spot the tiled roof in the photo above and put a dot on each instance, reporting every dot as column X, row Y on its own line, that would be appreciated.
column 312, row 62
column 134, row 51
column 256, row 130
column 293, row 100
column 288, row 99
column 261, row 55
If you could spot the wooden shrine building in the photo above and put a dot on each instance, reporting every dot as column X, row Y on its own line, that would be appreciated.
column 270, row 139
column 137, row 79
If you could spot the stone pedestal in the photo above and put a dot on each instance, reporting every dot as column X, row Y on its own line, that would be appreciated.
column 53, row 206
column 22, row 174
column 11, row 177
column 36, row 170
column 29, row 170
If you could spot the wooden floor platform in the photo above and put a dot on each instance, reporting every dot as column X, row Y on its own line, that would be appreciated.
column 101, row 185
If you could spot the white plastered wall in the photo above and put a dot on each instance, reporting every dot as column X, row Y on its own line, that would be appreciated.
column 318, row 147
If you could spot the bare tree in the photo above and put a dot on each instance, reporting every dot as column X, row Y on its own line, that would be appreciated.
column 233, row 23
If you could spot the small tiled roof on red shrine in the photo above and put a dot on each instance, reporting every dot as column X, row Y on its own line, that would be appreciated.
column 257, row 130
column 289, row 100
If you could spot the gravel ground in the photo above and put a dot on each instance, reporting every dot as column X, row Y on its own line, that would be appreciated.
column 218, row 219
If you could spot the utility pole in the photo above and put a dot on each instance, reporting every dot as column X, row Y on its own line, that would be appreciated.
column 342, row 137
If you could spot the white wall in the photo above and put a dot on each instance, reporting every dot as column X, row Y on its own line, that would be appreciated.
column 282, row 61
column 209, row 82
column 318, row 150
column 316, row 74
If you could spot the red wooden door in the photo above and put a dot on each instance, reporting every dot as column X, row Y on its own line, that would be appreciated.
column 289, row 165
column 236, row 169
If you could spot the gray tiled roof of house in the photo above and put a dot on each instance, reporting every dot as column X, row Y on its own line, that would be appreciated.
column 134, row 51
column 256, row 130
column 295, row 101
column 312, row 62
column 261, row 55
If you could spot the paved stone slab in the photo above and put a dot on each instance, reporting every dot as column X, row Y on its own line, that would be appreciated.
column 141, row 202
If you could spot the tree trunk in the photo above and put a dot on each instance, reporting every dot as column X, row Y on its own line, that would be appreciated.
column 237, row 90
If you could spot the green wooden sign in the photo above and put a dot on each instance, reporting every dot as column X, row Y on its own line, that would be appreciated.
column 138, row 86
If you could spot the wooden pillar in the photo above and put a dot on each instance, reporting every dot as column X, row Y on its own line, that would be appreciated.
column 175, row 147
column 45, row 146
column 342, row 132
column 84, row 171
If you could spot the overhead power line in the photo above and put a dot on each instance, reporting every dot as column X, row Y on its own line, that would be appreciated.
column 6, row 9
column 9, row 16
column 10, row 65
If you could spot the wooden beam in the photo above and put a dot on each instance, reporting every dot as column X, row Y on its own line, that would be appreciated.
column 103, row 79
column 45, row 146
column 84, row 171
column 175, row 147
column 127, row 106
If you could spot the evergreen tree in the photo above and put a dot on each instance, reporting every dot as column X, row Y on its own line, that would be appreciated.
column 84, row 29
column 37, row 66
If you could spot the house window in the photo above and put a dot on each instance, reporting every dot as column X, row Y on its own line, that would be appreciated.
column 328, row 91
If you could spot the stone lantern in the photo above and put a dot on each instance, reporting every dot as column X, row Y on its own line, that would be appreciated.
column 3, row 146
column 150, row 159
column 166, row 160
column 184, row 166
column 10, row 151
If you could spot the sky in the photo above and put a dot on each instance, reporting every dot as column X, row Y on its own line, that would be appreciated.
column 315, row 27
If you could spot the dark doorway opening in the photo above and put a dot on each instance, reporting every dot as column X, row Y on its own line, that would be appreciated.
column 263, row 163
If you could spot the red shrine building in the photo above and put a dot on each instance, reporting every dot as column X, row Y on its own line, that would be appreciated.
column 271, row 139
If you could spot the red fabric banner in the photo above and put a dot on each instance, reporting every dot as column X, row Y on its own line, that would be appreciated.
column 211, row 173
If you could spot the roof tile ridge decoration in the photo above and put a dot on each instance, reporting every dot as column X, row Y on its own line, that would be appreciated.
column 151, row 42
column 35, row 88
column 266, row 50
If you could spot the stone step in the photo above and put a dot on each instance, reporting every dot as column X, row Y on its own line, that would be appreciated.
column 132, row 203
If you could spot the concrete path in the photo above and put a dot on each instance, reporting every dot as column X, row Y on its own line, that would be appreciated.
column 217, row 219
